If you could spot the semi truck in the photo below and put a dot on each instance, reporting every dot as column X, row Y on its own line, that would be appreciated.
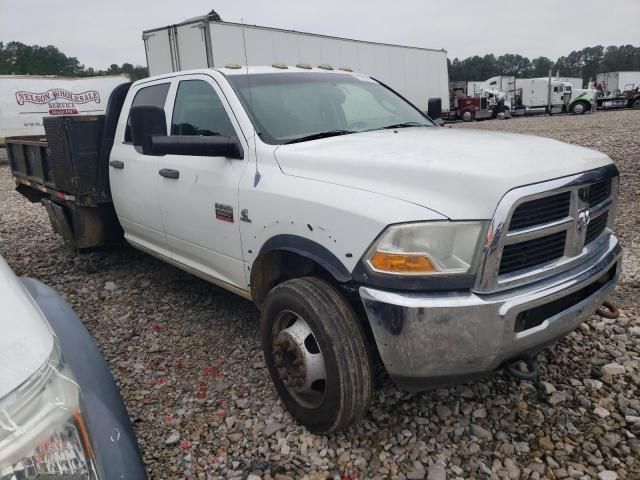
column 492, row 104
column 529, row 96
column 419, row 74
column 369, row 238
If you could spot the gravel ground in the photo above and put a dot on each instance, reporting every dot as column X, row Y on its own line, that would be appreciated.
column 188, row 361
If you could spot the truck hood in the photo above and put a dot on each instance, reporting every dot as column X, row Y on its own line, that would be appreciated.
column 26, row 340
column 459, row 173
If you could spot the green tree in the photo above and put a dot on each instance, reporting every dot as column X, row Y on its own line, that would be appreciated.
column 20, row 59
column 624, row 57
column 16, row 58
column 540, row 67
column 585, row 63
column 134, row 72
column 511, row 64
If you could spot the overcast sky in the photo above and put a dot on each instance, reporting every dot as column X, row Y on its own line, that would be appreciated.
column 100, row 33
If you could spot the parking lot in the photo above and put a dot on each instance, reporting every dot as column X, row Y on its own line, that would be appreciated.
column 188, row 361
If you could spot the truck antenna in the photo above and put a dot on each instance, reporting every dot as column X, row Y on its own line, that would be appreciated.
column 256, row 178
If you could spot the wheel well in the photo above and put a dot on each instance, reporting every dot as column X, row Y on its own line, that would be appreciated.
column 277, row 266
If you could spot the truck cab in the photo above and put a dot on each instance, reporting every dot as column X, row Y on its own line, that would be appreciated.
column 366, row 235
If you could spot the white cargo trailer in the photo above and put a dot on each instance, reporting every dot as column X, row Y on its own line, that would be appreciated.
column 417, row 73
column 621, row 81
column 25, row 99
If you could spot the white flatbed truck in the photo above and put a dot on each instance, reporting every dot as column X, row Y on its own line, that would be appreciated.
column 364, row 233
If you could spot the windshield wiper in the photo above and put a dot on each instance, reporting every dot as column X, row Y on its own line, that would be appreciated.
column 404, row 125
column 317, row 136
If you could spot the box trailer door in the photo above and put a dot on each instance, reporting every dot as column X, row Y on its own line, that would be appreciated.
column 157, row 46
column 192, row 41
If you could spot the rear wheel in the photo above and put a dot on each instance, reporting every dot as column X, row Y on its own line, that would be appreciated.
column 316, row 353
column 635, row 104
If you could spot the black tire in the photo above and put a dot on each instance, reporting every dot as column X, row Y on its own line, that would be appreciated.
column 468, row 116
column 635, row 104
column 348, row 388
column 579, row 108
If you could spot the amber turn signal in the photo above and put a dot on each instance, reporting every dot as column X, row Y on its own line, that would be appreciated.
column 401, row 263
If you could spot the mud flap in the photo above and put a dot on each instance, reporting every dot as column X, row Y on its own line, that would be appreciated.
column 84, row 228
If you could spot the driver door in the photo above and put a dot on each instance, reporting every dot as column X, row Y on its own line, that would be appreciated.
column 199, row 195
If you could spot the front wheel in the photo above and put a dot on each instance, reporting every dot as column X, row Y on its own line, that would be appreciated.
column 468, row 116
column 578, row 108
column 316, row 352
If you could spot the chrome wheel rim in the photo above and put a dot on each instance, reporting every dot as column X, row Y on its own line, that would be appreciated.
column 579, row 108
column 298, row 360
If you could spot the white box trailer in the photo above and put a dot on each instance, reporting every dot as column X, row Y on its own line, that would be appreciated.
column 416, row 73
column 622, row 81
column 25, row 99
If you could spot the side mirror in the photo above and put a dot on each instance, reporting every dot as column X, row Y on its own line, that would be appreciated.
column 198, row 146
column 146, row 121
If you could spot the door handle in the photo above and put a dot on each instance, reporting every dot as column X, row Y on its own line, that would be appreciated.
column 169, row 173
column 117, row 164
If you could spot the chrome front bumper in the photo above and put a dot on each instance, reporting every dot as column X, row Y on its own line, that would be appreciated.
column 427, row 340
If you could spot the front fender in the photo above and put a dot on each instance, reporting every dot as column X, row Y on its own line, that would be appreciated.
column 332, row 224
column 311, row 250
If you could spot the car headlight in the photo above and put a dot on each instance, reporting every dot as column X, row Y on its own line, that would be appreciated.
column 429, row 248
column 42, row 430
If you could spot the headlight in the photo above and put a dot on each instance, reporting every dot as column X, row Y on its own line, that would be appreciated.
column 42, row 431
column 429, row 248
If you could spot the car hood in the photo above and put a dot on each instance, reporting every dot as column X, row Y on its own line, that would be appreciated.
column 26, row 340
column 459, row 173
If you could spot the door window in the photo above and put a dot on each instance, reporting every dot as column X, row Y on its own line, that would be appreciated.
column 153, row 95
column 199, row 111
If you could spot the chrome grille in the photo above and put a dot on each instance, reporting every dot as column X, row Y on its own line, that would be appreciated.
column 541, row 210
column 543, row 229
column 595, row 228
column 518, row 256
column 598, row 192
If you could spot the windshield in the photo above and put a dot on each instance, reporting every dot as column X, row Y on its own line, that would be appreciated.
column 289, row 107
